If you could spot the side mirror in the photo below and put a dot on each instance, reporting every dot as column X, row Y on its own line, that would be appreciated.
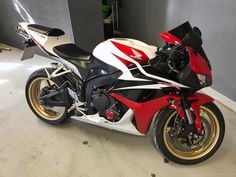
column 197, row 30
column 192, row 39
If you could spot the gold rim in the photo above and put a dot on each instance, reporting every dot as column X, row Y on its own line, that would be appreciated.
column 211, row 127
column 48, row 113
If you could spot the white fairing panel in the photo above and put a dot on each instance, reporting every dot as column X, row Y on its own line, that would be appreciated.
column 48, row 43
column 128, row 50
column 106, row 52
column 124, row 124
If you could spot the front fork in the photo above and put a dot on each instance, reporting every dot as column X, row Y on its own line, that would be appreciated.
column 186, row 106
column 189, row 109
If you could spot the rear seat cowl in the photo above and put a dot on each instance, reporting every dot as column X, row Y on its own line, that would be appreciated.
column 46, row 30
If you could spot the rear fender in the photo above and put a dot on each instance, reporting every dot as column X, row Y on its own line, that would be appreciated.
column 30, row 46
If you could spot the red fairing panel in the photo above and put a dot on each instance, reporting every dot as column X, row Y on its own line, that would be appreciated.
column 199, row 99
column 126, row 62
column 167, row 37
column 198, row 64
column 145, row 111
column 135, row 54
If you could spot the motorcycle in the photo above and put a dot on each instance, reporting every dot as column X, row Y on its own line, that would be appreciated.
column 127, row 85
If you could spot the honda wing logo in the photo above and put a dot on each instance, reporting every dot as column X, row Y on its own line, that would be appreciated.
column 136, row 55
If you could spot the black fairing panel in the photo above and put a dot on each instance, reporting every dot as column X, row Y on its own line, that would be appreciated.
column 151, row 70
column 189, row 78
column 93, row 68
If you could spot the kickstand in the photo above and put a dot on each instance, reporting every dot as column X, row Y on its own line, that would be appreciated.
column 166, row 160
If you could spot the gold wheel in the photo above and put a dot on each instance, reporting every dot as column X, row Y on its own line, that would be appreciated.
column 35, row 88
column 200, row 147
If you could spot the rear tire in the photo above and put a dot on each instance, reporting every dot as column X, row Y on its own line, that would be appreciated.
column 173, row 152
column 32, row 91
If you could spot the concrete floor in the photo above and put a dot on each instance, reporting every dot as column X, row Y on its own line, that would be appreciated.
column 29, row 147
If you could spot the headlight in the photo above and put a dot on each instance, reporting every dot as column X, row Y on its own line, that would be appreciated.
column 202, row 79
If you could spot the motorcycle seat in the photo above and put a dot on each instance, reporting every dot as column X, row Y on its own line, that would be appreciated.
column 71, row 52
column 45, row 30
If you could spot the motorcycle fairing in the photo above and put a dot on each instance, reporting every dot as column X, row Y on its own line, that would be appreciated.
column 144, row 112
column 167, row 37
column 198, row 64
column 176, row 35
column 126, row 53
column 45, row 38
column 46, row 30
column 123, row 125
column 113, row 56
column 134, row 53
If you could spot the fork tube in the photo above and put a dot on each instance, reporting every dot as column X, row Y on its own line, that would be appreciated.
column 186, row 106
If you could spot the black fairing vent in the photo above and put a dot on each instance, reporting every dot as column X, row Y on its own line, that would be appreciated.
column 189, row 78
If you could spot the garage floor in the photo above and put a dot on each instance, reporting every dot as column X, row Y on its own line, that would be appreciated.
column 29, row 147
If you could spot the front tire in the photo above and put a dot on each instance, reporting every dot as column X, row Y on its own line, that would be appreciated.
column 178, row 149
column 36, row 82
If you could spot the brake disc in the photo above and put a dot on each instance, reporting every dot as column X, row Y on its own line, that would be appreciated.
column 185, row 144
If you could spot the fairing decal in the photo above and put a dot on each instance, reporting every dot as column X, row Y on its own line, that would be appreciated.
column 136, row 54
column 151, row 86
column 126, row 62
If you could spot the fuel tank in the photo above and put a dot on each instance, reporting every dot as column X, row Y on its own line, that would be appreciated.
column 124, row 53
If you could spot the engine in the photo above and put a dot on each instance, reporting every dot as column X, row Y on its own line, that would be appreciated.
column 106, row 106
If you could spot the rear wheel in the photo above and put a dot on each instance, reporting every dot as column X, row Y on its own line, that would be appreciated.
column 37, row 82
column 177, row 143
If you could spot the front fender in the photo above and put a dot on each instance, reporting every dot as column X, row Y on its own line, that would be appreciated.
column 200, row 98
column 197, row 100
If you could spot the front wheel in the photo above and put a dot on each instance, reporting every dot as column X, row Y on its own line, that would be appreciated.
column 173, row 137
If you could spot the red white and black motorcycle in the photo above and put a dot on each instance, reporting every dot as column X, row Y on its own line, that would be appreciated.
column 125, row 84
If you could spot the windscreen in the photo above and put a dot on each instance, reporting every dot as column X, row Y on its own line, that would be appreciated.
column 181, row 30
